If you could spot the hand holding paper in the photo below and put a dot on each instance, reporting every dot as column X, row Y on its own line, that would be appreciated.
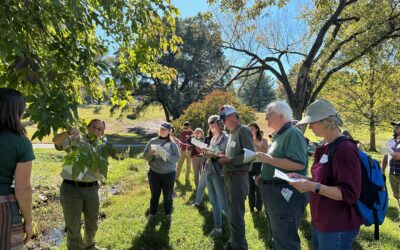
column 385, row 150
column 281, row 175
column 198, row 143
column 249, row 155
column 159, row 151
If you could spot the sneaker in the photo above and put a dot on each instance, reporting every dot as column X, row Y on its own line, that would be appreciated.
column 194, row 204
column 216, row 232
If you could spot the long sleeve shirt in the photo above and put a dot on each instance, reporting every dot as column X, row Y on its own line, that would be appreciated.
column 157, row 164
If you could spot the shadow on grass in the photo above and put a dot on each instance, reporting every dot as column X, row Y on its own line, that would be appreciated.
column 367, row 236
column 392, row 214
column 305, row 227
column 183, row 188
column 128, row 139
column 142, row 131
column 153, row 237
column 260, row 221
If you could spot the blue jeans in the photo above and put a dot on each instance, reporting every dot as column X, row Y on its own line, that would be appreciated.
column 202, row 187
column 217, row 195
column 333, row 240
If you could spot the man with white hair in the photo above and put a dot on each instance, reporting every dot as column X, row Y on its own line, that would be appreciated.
column 288, row 153
column 236, row 174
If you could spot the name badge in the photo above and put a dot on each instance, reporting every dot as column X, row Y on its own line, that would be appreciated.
column 233, row 144
column 324, row 159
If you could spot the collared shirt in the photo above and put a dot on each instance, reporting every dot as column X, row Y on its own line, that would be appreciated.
column 87, row 176
column 394, row 165
column 289, row 143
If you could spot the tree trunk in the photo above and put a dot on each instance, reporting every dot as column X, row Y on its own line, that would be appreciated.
column 372, row 142
column 165, row 108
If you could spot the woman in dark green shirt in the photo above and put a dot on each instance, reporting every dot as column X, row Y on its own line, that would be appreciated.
column 16, row 156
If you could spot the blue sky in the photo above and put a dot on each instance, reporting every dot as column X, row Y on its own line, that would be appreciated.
column 189, row 8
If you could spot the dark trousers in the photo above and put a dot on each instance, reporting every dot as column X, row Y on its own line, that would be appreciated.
column 255, row 200
column 158, row 182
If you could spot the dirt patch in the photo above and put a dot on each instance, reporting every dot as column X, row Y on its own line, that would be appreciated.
column 145, row 128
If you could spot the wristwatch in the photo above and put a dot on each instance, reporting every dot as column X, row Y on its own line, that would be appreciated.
column 317, row 188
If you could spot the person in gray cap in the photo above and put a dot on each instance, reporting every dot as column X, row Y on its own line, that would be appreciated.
column 162, row 170
column 288, row 152
column 335, row 185
column 394, row 163
column 236, row 174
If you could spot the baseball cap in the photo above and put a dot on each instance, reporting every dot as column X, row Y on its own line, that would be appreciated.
column 317, row 111
column 395, row 123
column 166, row 125
column 225, row 111
column 186, row 123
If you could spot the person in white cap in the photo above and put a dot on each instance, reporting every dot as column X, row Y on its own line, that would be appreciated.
column 394, row 163
column 236, row 174
column 335, row 185
column 284, row 205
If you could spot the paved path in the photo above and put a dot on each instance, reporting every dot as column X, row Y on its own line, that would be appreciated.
column 44, row 145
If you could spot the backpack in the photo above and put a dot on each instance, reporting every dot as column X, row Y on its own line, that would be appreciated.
column 373, row 202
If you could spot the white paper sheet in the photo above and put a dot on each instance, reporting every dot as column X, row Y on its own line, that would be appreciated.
column 281, row 175
column 198, row 143
column 385, row 151
column 159, row 151
column 249, row 155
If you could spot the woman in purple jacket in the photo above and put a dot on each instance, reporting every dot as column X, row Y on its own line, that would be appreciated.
column 334, row 188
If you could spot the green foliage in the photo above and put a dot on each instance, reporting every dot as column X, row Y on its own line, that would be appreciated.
column 200, row 62
column 198, row 112
column 367, row 93
column 257, row 91
column 49, row 49
column 91, row 154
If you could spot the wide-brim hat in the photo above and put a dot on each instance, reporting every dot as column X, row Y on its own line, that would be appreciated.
column 317, row 111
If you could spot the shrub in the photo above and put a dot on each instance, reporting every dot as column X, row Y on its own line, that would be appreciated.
column 198, row 112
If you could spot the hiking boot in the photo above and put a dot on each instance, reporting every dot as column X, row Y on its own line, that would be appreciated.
column 216, row 232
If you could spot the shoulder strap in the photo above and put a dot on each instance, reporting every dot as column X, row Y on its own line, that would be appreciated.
column 332, row 147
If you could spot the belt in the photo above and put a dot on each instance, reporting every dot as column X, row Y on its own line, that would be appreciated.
column 232, row 173
column 274, row 182
column 81, row 184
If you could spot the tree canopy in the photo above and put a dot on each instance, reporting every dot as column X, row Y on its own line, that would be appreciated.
column 51, row 49
column 199, row 63
column 324, row 38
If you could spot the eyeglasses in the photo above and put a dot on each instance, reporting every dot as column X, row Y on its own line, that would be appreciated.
column 96, row 128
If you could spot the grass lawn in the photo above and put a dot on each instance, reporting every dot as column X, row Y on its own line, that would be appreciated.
column 124, row 223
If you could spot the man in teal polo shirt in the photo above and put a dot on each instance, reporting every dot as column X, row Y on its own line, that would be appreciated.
column 288, row 153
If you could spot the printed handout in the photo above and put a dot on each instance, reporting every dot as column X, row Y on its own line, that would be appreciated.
column 281, row 175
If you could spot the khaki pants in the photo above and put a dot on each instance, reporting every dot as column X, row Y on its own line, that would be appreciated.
column 185, row 155
column 197, row 162
column 75, row 201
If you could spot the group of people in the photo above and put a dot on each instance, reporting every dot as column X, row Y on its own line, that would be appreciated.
column 332, row 189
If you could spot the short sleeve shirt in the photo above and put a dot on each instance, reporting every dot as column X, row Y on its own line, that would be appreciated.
column 288, row 143
column 14, row 149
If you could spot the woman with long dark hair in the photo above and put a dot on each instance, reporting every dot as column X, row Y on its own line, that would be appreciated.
column 261, row 145
column 162, row 169
column 16, row 156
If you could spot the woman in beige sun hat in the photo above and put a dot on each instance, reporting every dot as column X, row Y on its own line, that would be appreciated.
column 334, row 188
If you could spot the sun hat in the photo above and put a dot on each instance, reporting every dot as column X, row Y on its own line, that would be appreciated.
column 317, row 111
